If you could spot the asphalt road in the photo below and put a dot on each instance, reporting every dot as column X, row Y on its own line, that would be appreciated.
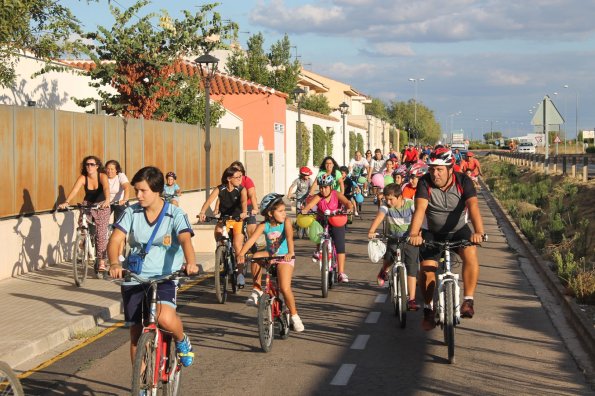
column 352, row 344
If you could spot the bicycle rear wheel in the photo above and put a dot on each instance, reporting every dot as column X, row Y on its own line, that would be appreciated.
column 9, row 383
column 265, row 322
column 79, row 259
column 220, row 275
column 449, row 325
column 172, row 386
column 324, row 272
column 401, row 288
column 143, row 369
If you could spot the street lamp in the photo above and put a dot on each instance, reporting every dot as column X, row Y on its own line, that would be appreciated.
column 369, row 118
column 297, row 96
column 415, row 81
column 207, row 65
column 343, row 108
column 575, row 116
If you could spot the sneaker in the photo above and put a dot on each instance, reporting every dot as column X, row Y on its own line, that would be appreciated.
column 241, row 281
column 343, row 278
column 297, row 324
column 428, row 322
column 185, row 353
column 101, row 266
column 412, row 305
column 316, row 256
column 467, row 310
column 381, row 278
column 356, row 213
column 252, row 301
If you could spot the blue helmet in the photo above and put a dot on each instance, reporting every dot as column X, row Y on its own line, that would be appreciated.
column 268, row 201
column 325, row 180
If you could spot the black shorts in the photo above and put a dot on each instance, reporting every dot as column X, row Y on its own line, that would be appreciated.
column 434, row 253
column 410, row 256
column 136, row 300
column 251, row 219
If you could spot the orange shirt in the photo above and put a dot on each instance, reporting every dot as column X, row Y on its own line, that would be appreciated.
column 408, row 191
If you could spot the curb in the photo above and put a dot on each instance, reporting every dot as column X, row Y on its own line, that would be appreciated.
column 577, row 321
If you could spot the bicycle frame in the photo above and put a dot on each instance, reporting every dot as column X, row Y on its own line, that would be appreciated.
column 444, row 277
column 398, row 262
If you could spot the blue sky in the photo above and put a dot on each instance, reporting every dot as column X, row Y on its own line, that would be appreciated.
column 490, row 61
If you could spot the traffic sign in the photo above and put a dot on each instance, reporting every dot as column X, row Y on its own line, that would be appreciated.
column 553, row 116
column 557, row 139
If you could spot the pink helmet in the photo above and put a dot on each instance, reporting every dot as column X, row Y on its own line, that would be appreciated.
column 401, row 170
column 418, row 169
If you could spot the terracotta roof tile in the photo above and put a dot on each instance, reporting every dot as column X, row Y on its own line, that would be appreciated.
column 223, row 83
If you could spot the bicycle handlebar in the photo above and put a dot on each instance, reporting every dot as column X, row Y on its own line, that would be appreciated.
column 450, row 244
column 398, row 239
column 222, row 218
column 79, row 206
column 177, row 275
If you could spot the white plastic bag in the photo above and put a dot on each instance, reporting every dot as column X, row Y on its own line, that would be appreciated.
column 376, row 250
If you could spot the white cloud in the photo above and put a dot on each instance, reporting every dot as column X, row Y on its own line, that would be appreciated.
column 507, row 78
column 345, row 72
column 389, row 49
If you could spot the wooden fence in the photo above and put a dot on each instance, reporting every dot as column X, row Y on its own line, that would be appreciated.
column 41, row 152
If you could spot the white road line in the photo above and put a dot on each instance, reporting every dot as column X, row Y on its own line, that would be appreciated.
column 360, row 341
column 373, row 317
column 381, row 298
column 343, row 375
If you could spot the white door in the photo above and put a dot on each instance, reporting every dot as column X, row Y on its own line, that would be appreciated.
column 279, row 160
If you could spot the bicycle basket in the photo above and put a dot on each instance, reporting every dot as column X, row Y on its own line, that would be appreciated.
column 376, row 250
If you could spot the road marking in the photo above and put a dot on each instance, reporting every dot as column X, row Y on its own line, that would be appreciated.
column 343, row 375
column 381, row 298
column 373, row 317
column 360, row 341
column 103, row 333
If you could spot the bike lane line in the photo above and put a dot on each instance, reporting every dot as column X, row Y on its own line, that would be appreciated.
column 372, row 317
column 343, row 375
column 360, row 342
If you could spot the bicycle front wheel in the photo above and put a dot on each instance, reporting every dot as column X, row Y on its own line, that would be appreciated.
column 9, row 383
column 143, row 370
column 449, row 325
column 172, row 386
column 324, row 273
column 79, row 259
column 401, row 296
column 265, row 322
column 220, row 275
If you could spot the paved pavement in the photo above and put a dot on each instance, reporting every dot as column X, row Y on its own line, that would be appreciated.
column 44, row 309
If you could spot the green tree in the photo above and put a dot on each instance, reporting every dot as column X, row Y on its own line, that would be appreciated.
column 319, row 144
column 490, row 137
column 43, row 27
column 426, row 129
column 352, row 144
column 330, row 134
column 376, row 108
column 139, row 61
column 305, row 145
column 360, row 143
column 318, row 103
column 284, row 72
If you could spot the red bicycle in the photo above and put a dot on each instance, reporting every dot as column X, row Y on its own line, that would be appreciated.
column 272, row 311
column 156, row 364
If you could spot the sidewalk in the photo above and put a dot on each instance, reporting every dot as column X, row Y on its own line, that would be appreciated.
column 44, row 309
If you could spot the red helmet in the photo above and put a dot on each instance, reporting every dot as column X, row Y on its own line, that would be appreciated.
column 470, row 154
column 441, row 156
column 418, row 169
column 304, row 170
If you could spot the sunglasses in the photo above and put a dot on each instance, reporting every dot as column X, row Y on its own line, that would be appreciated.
column 90, row 164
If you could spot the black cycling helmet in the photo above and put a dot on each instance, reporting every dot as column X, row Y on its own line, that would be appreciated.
column 171, row 174
column 268, row 201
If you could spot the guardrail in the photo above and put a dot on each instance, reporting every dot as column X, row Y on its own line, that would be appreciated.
column 575, row 166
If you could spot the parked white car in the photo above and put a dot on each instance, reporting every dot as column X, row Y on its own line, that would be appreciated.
column 526, row 148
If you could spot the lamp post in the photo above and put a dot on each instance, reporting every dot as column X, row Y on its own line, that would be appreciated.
column 343, row 108
column 369, row 118
column 383, row 120
column 207, row 65
column 575, row 118
column 415, row 81
column 297, row 96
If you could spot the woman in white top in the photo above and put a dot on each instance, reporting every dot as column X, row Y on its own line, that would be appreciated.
column 118, row 188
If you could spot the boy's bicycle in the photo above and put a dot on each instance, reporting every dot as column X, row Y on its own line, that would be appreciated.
column 272, row 311
column 84, row 245
column 328, row 255
column 9, row 383
column 226, row 271
column 156, row 365
column 447, row 293
column 300, row 232
column 397, row 281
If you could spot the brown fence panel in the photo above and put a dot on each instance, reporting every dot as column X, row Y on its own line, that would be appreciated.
column 41, row 150
column 25, row 189
column 7, row 162
column 45, row 165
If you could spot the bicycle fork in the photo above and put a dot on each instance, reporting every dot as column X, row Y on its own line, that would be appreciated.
column 443, row 280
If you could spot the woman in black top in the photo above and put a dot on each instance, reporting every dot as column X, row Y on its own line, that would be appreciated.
column 95, row 182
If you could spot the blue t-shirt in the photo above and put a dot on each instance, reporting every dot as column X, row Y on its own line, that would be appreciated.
column 171, row 190
column 276, row 240
column 165, row 255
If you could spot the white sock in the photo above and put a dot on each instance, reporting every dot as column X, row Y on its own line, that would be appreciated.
column 468, row 298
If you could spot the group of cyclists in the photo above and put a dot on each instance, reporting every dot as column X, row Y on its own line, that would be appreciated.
column 423, row 195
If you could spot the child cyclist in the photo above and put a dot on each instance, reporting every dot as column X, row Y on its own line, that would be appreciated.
column 171, row 245
column 302, row 186
column 278, row 233
column 171, row 190
column 332, row 200
column 233, row 201
column 399, row 211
